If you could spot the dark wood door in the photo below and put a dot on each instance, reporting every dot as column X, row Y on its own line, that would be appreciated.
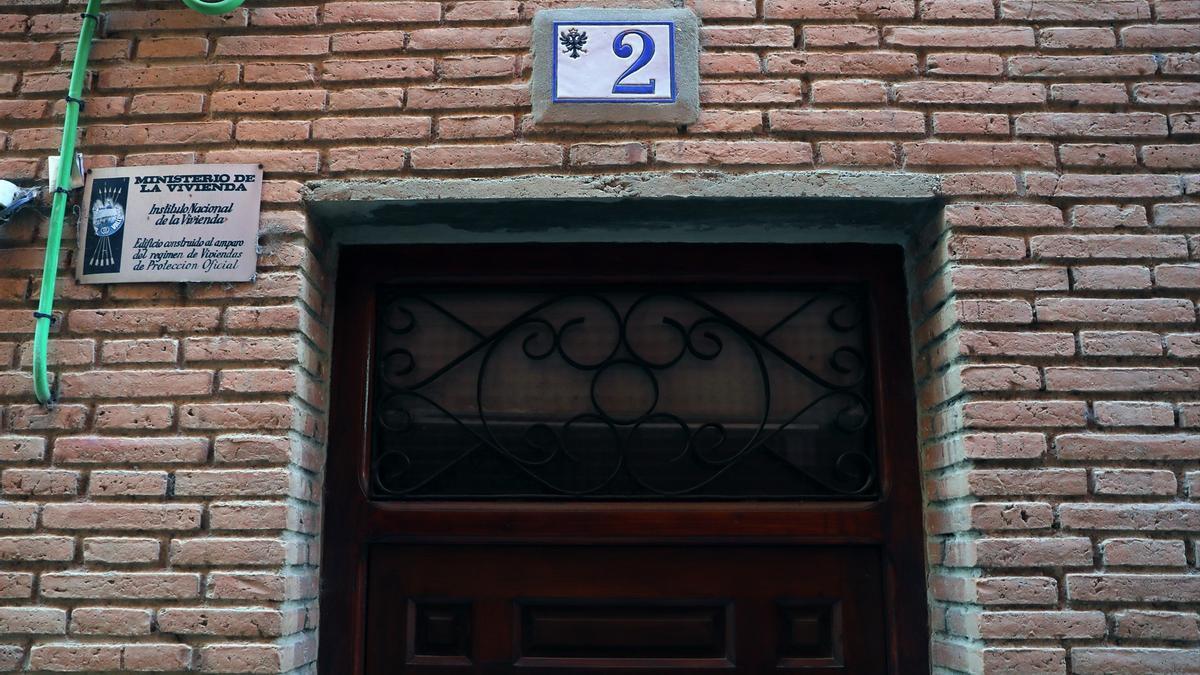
column 634, row 459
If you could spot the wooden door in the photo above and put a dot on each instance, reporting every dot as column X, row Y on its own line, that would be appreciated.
column 622, row 459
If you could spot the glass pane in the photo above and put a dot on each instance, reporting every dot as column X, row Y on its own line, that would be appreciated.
column 696, row 394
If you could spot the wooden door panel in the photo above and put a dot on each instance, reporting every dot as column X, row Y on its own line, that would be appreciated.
column 615, row 609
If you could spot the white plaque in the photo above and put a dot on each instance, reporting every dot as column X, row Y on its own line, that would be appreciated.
column 195, row 222
column 614, row 61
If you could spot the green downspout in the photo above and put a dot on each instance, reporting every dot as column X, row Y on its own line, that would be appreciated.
column 58, row 209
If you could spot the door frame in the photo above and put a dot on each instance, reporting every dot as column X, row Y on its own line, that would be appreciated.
column 351, row 521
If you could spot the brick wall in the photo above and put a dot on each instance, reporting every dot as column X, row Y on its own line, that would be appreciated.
column 163, row 516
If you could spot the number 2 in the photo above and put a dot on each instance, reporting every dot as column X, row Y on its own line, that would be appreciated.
column 625, row 51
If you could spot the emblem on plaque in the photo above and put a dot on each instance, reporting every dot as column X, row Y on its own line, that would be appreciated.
column 106, row 218
column 573, row 41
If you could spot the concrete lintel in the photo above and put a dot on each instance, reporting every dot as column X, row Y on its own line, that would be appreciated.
column 676, row 185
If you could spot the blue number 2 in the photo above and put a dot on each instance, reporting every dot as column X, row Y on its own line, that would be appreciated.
column 625, row 51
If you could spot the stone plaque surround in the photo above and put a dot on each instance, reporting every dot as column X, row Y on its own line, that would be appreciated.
column 684, row 110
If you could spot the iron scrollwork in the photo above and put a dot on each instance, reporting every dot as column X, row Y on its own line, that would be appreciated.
column 620, row 395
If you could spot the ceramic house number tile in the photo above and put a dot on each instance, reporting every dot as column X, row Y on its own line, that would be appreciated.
column 614, row 65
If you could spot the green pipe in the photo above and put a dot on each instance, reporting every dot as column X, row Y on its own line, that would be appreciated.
column 213, row 6
column 58, row 208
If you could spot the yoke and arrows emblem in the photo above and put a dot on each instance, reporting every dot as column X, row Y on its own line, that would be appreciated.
column 573, row 41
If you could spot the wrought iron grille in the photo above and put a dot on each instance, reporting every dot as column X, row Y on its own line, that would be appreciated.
column 617, row 394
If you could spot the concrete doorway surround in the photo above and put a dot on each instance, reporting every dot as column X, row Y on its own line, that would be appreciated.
column 776, row 207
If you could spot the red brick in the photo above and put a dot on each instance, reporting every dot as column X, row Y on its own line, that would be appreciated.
column 227, row 551
column 1090, row 94
column 275, row 161
column 483, row 10
column 156, row 657
column 752, row 92
column 157, row 450
column 1031, row 661
column 15, row 585
column 1038, row 625
column 232, row 416
column 1013, row 482
column 120, row 550
column 239, row 622
column 1011, row 343
column 1110, row 277
column 936, row 10
column 1121, row 125
column 369, row 41
column 1171, row 156
column 267, row 131
column 42, row 482
column 1090, row 310
column 747, row 36
column 1176, row 215
column 277, row 17
column 1093, row 11
column 123, row 585
column 969, row 93
column 127, row 483
column 457, row 39
column 383, row 98
column 293, row 100
column 969, row 278
column 273, row 45
column 1183, row 345
column 1143, row 553
column 360, row 128
column 978, row 154
column 839, row 9
column 1017, row 414
column 874, row 64
column 37, row 549
column 959, row 36
column 1161, row 36
column 494, row 96
column 1108, row 246
column 174, row 19
column 22, row 448
column 1071, row 378
column 841, row 35
column 373, row 158
column 1002, row 215
column 474, row 67
column 964, row 64
column 279, row 73
column 732, row 153
column 608, row 154
column 1103, row 186
column 475, row 126
column 167, row 104
column 1139, row 517
column 75, row 657
column 998, row 591
column 380, row 12
column 473, row 157
column 1128, row 446
column 113, row 516
column 1135, row 481
column 1076, row 38
column 1120, row 343
column 848, row 91
column 847, row 121
column 1158, row 625
column 109, row 621
column 157, row 77
column 866, row 153
column 1030, row 552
